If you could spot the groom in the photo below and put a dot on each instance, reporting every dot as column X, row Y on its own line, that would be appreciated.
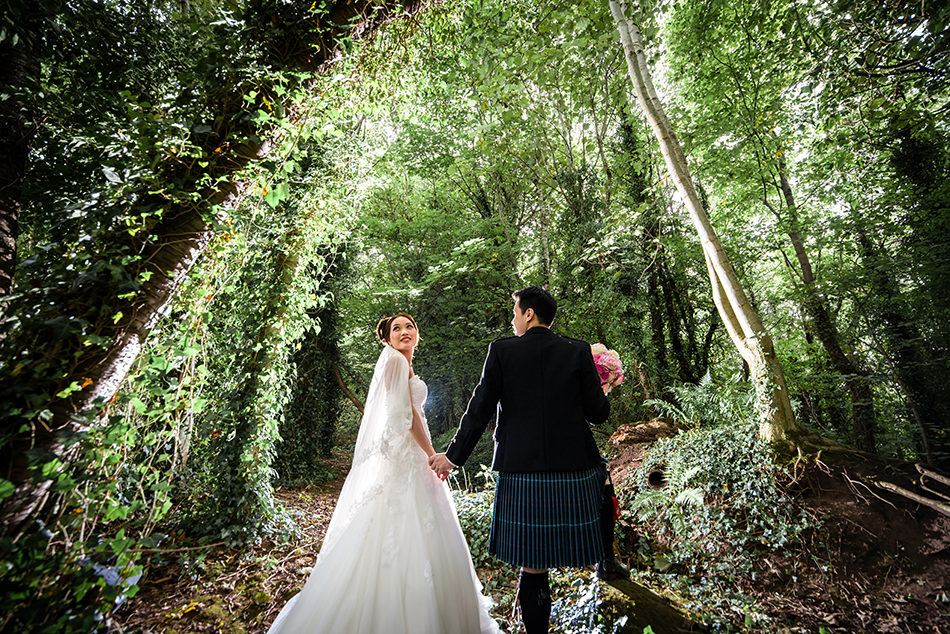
column 545, row 391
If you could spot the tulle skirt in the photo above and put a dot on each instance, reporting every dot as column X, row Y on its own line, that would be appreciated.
column 395, row 560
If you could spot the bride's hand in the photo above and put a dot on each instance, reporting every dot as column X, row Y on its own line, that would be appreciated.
column 441, row 465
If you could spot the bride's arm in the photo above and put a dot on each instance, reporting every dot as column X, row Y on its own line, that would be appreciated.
column 417, row 432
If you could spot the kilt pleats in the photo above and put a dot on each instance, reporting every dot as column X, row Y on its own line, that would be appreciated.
column 548, row 520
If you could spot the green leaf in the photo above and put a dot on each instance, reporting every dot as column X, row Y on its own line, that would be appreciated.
column 110, row 175
column 138, row 405
column 661, row 563
column 6, row 489
column 276, row 194
column 73, row 387
column 198, row 405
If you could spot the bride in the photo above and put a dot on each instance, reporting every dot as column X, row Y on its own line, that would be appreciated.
column 394, row 559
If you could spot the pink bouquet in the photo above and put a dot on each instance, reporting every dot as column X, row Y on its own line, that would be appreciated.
column 608, row 366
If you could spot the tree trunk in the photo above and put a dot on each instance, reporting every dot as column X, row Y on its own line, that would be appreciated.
column 357, row 403
column 19, row 71
column 707, row 343
column 174, row 246
column 545, row 248
column 855, row 378
column 919, row 377
column 658, row 334
column 777, row 421
column 179, row 243
column 648, row 611
column 247, row 454
column 672, row 301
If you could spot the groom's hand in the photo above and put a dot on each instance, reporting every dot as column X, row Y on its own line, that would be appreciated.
column 441, row 465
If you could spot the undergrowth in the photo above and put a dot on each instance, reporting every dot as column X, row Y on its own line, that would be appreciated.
column 720, row 509
column 474, row 508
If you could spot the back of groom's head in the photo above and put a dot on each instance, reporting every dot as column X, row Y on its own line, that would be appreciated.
column 537, row 298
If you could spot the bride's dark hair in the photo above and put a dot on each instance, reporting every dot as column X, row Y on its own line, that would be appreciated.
column 385, row 324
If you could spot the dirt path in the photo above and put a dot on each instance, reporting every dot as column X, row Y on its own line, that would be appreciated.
column 229, row 590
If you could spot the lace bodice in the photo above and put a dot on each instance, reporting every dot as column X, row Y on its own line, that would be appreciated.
column 419, row 392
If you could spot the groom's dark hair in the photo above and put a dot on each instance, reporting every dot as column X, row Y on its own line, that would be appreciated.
column 543, row 303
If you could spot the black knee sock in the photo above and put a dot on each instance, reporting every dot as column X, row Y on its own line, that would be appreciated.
column 534, row 596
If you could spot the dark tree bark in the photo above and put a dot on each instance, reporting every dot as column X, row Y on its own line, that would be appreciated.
column 855, row 379
column 19, row 72
column 657, row 324
column 816, row 308
column 672, row 322
column 920, row 377
column 357, row 403
column 678, row 325
column 708, row 341
column 651, row 253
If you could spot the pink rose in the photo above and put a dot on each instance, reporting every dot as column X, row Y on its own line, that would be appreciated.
column 609, row 366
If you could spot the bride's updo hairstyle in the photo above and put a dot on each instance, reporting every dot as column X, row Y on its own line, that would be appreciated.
column 385, row 325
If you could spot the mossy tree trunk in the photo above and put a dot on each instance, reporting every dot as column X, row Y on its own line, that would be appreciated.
column 294, row 39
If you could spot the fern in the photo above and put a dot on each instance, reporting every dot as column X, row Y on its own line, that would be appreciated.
column 705, row 403
column 668, row 410
column 692, row 496
column 722, row 507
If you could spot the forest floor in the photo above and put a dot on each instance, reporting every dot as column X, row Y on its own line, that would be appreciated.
column 236, row 591
column 878, row 564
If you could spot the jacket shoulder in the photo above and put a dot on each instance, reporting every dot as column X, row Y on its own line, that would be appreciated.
column 580, row 343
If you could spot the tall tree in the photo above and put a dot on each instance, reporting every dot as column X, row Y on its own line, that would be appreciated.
column 917, row 371
column 728, row 45
column 740, row 319
column 21, row 51
column 132, row 298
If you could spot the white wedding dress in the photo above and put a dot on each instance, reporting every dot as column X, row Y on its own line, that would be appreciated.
column 394, row 560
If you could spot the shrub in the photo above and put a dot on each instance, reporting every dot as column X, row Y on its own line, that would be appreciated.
column 722, row 507
column 475, row 512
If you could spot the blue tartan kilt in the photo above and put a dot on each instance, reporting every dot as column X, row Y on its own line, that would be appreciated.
column 548, row 520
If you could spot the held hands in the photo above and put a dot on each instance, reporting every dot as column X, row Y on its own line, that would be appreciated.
column 441, row 465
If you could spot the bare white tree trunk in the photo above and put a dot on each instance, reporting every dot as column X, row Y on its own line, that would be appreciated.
column 741, row 321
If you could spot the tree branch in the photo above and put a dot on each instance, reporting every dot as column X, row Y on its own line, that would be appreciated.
column 924, row 471
column 936, row 505
column 349, row 394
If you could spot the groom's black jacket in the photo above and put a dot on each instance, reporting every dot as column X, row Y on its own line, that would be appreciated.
column 546, row 391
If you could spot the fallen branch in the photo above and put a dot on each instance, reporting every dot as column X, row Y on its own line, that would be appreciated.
column 651, row 609
column 937, row 493
column 854, row 489
column 936, row 505
column 927, row 473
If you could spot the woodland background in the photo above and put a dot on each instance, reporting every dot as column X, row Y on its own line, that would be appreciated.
column 206, row 206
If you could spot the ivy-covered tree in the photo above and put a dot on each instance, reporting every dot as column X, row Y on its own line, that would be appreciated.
column 154, row 117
